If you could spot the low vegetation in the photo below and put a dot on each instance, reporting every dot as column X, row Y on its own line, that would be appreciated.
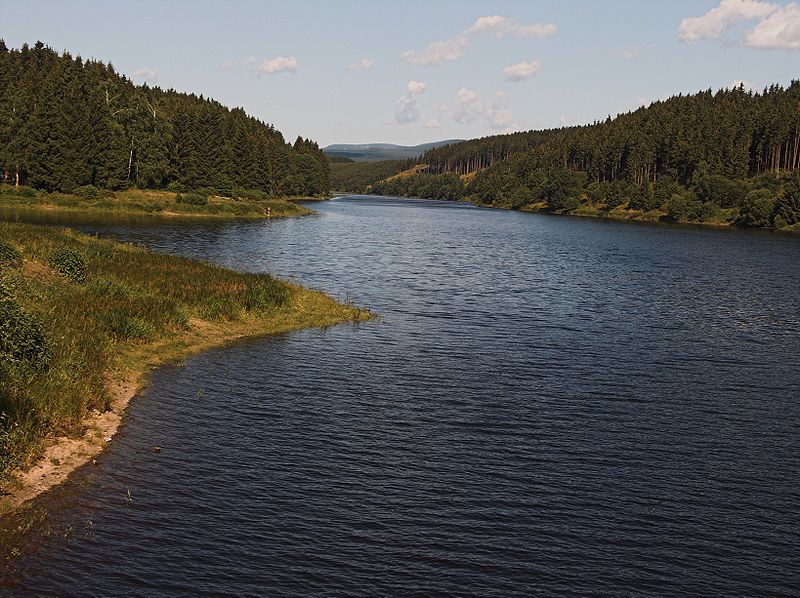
column 177, row 202
column 76, row 311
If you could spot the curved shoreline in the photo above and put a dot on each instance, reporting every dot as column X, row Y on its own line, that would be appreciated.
column 64, row 455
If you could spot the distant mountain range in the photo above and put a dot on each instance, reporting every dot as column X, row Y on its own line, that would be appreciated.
column 372, row 152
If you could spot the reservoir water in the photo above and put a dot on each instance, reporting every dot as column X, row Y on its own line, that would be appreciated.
column 547, row 406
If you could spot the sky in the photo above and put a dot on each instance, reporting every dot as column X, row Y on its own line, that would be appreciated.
column 357, row 71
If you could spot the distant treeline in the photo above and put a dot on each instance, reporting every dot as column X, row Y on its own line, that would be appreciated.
column 67, row 122
column 730, row 155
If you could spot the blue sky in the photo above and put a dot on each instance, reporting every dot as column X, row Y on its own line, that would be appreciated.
column 359, row 71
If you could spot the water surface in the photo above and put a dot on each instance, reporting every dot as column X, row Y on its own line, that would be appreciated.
column 549, row 406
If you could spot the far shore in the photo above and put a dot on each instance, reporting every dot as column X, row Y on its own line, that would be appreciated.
column 617, row 214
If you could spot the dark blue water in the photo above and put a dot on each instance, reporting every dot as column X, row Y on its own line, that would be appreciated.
column 548, row 406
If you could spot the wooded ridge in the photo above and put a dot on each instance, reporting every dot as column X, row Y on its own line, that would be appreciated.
column 66, row 122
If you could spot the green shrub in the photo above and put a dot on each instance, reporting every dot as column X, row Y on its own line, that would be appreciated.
column 154, row 207
column 9, row 256
column 756, row 209
column 254, row 194
column 664, row 189
column 563, row 188
column 788, row 205
column 25, row 191
column 6, row 289
column 683, row 206
column 597, row 191
column 643, row 198
column 177, row 187
column 223, row 187
column 194, row 199
column 87, row 192
column 617, row 194
column 22, row 337
column 69, row 263
column 720, row 190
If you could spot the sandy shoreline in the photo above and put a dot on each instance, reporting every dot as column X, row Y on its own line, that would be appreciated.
column 64, row 455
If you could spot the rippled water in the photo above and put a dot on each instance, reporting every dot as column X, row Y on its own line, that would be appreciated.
column 549, row 406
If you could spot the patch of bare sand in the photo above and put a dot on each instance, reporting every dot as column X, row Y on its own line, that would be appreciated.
column 67, row 454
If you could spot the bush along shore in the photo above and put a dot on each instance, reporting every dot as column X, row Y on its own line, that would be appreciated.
column 770, row 200
column 177, row 202
column 83, row 319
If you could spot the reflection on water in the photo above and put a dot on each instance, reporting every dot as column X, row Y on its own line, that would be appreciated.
column 547, row 406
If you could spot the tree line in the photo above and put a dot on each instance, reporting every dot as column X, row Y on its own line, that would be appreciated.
column 66, row 122
column 350, row 176
column 729, row 155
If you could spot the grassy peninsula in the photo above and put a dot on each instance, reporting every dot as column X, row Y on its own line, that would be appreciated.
column 83, row 319
column 203, row 203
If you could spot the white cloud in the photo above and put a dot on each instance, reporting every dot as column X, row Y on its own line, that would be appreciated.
column 279, row 64
column 521, row 70
column 469, row 108
column 632, row 52
column 781, row 29
column 452, row 49
column 227, row 64
column 465, row 95
column 437, row 52
column 432, row 124
column 249, row 60
column 716, row 22
column 146, row 73
column 416, row 87
column 777, row 27
column 364, row 64
column 499, row 117
column 502, row 26
column 407, row 110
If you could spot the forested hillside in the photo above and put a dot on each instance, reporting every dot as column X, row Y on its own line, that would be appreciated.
column 67, row 122
column 357, row 176
column 724, row 156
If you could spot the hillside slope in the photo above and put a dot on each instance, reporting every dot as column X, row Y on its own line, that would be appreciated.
column 724, row 157
column 72, row 123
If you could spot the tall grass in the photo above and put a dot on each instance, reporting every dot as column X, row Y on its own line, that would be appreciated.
column 126, row 300
column 143, row 201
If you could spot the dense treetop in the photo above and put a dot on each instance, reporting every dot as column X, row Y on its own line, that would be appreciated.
column 66, row 122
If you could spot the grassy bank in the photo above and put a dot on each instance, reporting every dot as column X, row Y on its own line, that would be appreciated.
column 152, row 202
column 82, row 319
